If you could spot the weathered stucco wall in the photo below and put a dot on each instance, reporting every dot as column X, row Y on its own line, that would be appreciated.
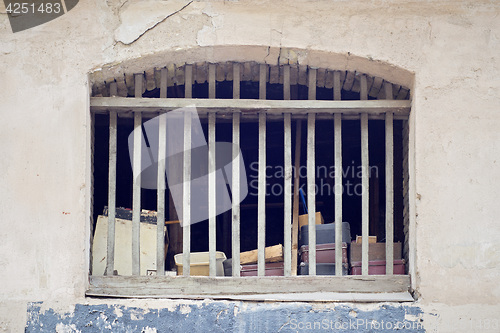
column 451, row 47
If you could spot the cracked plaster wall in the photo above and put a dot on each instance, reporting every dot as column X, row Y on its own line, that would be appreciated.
column 450, row 48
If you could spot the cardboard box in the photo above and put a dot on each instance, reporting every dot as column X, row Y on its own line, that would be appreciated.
column 376, row 251
column 304, row 219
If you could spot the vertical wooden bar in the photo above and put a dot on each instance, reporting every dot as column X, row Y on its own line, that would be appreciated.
column 288, row 225
column 338, row 192
column 211, row 195
column 288, row 195
column 188, row 81
column 365, row 205
column 160, row 216
column 296, row 185
column 211, row 80
column 136, row 186
column 236, row 193
column 311, row 189
column 110, row 257
column 312, row 83
column 262, row 81
column 261, row 193
column 389, row 185
column 337, row 88
column 363, row 93
column 236, row 84
column 163, row 83
column 286, row 82
column 186, row 197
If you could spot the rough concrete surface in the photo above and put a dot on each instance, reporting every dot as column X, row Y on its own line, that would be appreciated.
column 446, row 51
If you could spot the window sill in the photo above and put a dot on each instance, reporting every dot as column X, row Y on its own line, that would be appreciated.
column 351, row 288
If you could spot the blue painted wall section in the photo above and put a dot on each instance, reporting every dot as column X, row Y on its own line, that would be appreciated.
column 226, row 317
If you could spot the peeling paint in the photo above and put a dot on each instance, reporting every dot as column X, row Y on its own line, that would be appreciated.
column 215, row 316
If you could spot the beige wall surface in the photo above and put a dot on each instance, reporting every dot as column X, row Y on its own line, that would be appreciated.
column 446, row 51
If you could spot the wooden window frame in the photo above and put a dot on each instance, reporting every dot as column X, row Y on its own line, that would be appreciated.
column 365, row 287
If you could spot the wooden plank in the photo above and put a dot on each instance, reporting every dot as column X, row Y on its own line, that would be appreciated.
column 166, row 286
column 329, row 79
column 110, row 256
column 201, row 72
column 211, row 81
column 121, row 86
column 376, row 86
column 288, row 193
column 188, row 81
column 262, row 81
column 136, row 186
column 150, row 79
column 261, row 193
column 272, row 254
column 320, row 77
column 286, row 82
column 186, row 197
column 365, row 206
column 296, row 185
column 163, row 84
column 389, row 190
column 113, row 89
column 179, row 75
column 311, row 84
column 311, row 189
column 337, row 88
column 236, row 174
column 338, row 192
column 212, row 204
column 236, row 80
column 161, row 185
column 246, row 106
column 349, row 81
column 274, row 74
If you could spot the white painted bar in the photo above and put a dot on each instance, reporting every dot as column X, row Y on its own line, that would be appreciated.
column 110, row 256
column 262, row 81
column 295, row 206
column 365, row 205
column 188, row 81
column 389, row 193
column 212, row 202
column 311, row 187
column 160, row 216
column 236, row 81
column 136, row 186
column 338, row 192
column 286, row 82
column 211, row 80
column 288, row 195
column 186, row 200
column 236, row 195
column 261, row 199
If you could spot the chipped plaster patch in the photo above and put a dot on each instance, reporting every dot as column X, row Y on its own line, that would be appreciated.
column 139, row 17
column 63, row 328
